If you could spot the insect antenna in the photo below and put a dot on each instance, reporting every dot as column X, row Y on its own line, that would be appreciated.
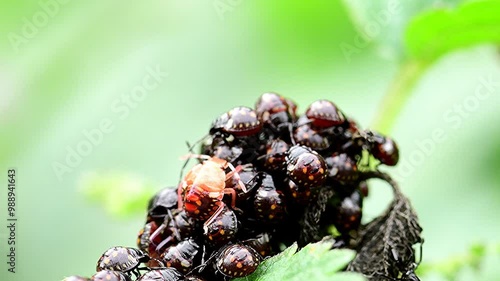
column 190, row 148
column 204, row 263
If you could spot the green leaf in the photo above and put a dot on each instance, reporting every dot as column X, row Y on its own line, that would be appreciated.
column 315, row 261
column 121, row 195
column 430, row 36
column 438, row 32
column 383, row 22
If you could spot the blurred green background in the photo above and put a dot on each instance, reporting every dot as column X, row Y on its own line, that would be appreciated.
column 65, row 66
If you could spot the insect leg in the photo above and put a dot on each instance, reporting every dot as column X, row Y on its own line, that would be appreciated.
column 212, row 218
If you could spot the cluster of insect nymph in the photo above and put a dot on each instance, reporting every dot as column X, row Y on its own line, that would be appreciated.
column 253, row 192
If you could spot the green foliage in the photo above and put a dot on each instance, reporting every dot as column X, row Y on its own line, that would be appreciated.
column 437, row 32
column 383, row 22
column 313, row 262
column 431, row 35
column 480, row 263
column 426, row 29
column 121, row 195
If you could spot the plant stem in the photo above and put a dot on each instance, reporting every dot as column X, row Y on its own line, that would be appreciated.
column 399, row 93
column 376, row 174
